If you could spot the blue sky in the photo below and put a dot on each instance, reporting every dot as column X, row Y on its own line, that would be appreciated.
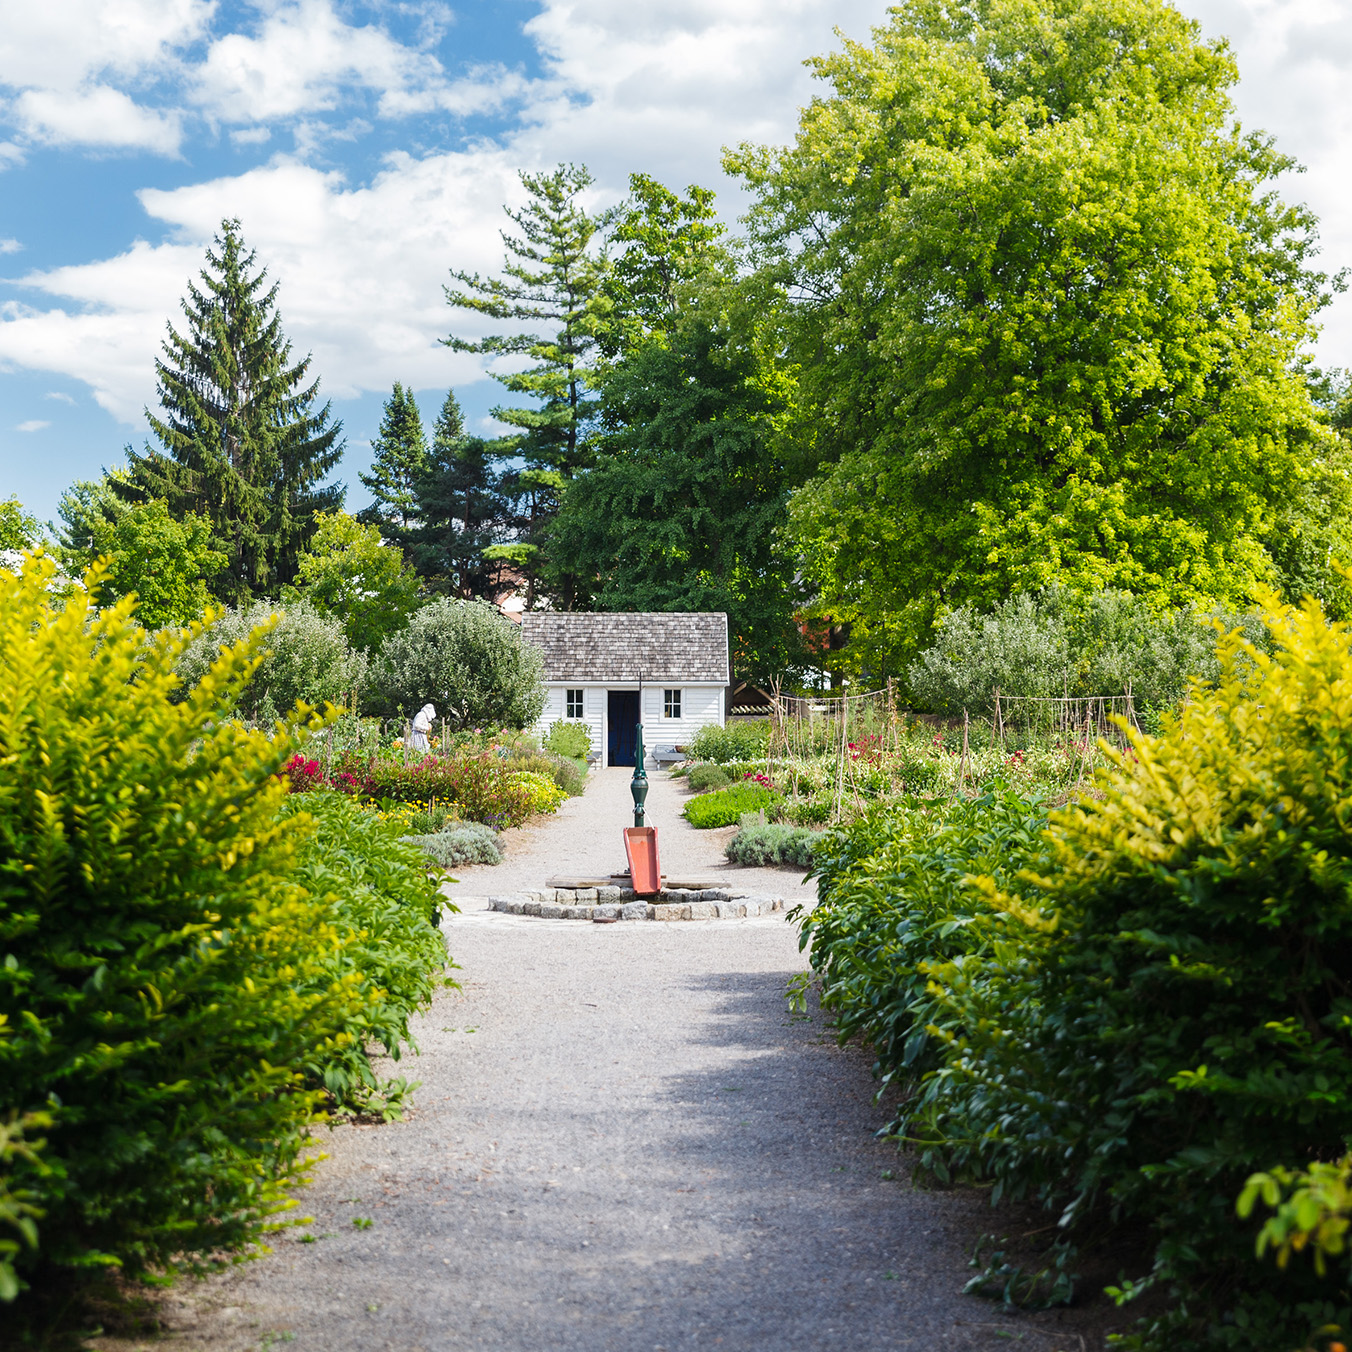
column 368, row 148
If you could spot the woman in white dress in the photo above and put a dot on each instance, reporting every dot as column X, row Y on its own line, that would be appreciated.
column 422, row 727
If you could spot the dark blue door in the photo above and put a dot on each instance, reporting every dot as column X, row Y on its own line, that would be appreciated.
column 622, row 717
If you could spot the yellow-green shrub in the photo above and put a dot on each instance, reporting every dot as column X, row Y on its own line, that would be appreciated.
column 1164, row 1006
column 165, row 980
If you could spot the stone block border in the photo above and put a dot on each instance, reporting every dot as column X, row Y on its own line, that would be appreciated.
column 619, row 903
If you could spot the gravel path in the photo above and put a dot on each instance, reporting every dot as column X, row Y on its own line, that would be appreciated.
column 624, row 1141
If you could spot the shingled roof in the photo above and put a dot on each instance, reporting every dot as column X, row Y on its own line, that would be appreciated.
column 598, row 649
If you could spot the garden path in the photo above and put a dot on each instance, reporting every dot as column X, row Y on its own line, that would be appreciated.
column 625, row 1141
column 584, row 837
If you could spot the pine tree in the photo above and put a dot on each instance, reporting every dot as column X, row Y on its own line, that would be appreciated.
column 554, row 278
column 244, row 444
column 459, row 508
column 399, row 456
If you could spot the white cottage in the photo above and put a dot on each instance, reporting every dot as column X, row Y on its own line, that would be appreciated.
column 596, row 664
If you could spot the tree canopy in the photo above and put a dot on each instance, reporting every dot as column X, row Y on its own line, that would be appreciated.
column 1047, row 313
column 399, row 455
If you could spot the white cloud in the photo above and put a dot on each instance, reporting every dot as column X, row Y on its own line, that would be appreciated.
column 1295, row 58
column 9, row 246
column 97, row 116
column 32, row 425
column 59, row 396
column 63, row 46
column 304, row 59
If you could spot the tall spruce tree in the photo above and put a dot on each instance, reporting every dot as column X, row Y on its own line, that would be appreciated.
column 245, row 443
column 399, row 456
column 460, row 509
column 554, row 276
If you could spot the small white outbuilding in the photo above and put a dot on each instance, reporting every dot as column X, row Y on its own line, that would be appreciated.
column 597, row 663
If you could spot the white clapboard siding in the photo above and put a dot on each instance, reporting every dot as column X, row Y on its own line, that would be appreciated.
column 700, row 707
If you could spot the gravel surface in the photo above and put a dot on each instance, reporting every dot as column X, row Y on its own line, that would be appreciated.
column 625, row 1140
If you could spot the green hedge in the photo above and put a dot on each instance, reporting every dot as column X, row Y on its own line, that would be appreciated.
column 1153, row 1008
column 759, row 844
column 190, row 958
column 724, row 807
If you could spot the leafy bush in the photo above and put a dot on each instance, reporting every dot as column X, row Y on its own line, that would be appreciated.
column 471, row 843
column 18, row 1214
column 466, row 659
column 702, row 778
column 737, row 741
column 543, row 794
column 569, row 739
column 188, row 954
column 894, row 895
column 724, row 807
column 385, row 912
column 1052, row 643
column 759, row 844
column 569, row 775
column 1159, row 1008
column 306, row 657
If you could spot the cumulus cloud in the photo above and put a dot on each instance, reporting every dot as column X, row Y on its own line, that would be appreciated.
column 97, row 116
column 9, row 246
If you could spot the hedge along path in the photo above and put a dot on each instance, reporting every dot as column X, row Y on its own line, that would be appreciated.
column 625, row 1140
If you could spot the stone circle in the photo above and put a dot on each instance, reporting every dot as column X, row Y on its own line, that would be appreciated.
column 619, row 903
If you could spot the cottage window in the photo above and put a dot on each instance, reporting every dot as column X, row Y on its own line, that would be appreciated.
column 671, row 704
column 573, row 703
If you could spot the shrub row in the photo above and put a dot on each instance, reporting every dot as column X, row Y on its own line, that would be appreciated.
column 1127, row 1018
column 192, row 963
column 735, row 742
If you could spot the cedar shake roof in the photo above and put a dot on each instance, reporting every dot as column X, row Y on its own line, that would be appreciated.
column 597, row 649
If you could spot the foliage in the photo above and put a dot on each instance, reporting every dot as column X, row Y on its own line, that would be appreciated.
column 569, row 739
column 347, row 571
column 702, row 778
column 305, row 657
column 1049, row 315
column 1176, row 956
column 467, row 660
column 683, row 510
column 384, row 913
column 18, row 529
column 553, row 279
column 668, row 244
column 759, row 844
column 568, row 774
column 1052, row 643
column 18, row 1215
column 86, row 507
column 724, row 807
column 244, row 444
column 398, row 457
column 469, row 843
column 1313, row 1208
column 460, row 507
column 895, row 895
column 163, row 560
column 542, row 793
column 166, row 976
column 733, row 742
column 482, row 786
